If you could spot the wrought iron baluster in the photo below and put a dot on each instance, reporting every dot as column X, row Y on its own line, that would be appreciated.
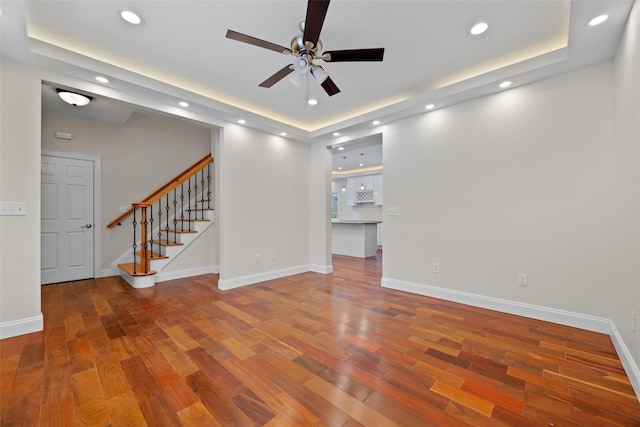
column 175, row 233
column 135, row 245
column 189, row 195
column 145, row 223
column 151, row 231
column 208, row 187
column 202, row 193
column 160, row 227
column 167, row 209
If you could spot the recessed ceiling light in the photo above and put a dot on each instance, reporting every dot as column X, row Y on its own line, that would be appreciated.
column 479, row 28
column 339, row 168
column 340, row 148
column 375, row 122
column 429, row 106
column 312, row 101
column 102, row 79
column 283, row 134
column 130, row 16
column 361, row 164
column 505, row 84
column 242, row 121
column 598, row 20
column 183, row 104
column 336, row 134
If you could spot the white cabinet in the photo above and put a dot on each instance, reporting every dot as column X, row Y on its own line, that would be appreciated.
column 366, row 183
column 377, row 190
column 351, row 192
column 364, row 189
column 380, row 235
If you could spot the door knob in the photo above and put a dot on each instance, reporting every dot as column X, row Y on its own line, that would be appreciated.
column 87, row 226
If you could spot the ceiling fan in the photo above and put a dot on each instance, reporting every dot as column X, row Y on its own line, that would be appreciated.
column 306, row 48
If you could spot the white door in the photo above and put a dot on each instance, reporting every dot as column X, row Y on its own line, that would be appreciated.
column 66, row 219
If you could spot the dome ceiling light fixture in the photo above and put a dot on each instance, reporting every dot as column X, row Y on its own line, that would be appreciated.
column 73, row 98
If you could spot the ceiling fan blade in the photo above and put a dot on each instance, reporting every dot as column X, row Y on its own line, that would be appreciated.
column 316, row 12
column 284, row 72
column 234, row 35
column 352, row 55
column 330, row 87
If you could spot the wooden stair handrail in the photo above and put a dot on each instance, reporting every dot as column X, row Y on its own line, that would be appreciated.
column 166, row 188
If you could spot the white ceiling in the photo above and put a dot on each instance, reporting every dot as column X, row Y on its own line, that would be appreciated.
column 181, row 53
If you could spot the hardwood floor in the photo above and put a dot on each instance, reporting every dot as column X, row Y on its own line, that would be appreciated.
column 335, row 350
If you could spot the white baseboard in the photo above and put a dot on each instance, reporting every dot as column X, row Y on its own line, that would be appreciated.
column 163, row 276
column 107, row 272
column 567, row 318
column 237, row 282
column 630, row 366
column 21, row 326
column 322, row 269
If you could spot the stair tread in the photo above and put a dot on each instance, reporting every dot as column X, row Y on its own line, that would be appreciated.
column 167, row 243
column 153, row 255
column 181, row 231
column 128, row 268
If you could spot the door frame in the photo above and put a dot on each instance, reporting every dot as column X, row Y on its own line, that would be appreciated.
column 97, row 197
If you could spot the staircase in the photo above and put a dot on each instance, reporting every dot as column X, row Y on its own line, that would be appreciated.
column 187, row 210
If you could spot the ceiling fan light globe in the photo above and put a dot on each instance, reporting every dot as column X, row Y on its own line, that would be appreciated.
column 319, row 74
column 300, row 65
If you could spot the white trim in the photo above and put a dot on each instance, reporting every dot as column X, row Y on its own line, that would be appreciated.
column 251, row 279
column 138, row 282
column 188, row 272
column 322, row 269
column 630, row 366
column 24, row 326
column 97, row 202
column 108, row 272
column 567, row 318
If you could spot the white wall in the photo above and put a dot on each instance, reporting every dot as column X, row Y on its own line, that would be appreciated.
column 264, row 206
column 530, row 180
column 625, row 283
column 320, row 208
column 517, row 182
column 20, row 182
column 137, row 158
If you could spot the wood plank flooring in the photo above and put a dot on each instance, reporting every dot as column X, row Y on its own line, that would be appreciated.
column 334, row 350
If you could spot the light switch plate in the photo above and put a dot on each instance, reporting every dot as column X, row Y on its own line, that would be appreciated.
column 392, row 211
column 13, row 208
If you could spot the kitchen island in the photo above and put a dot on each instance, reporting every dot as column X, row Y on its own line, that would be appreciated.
column 355, row 238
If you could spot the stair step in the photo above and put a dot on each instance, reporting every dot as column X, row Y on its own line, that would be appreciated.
column 181, row 231
column 128, row 268
column 167, row 243
column 193, row 220
column 152, row 255
column 199, row 210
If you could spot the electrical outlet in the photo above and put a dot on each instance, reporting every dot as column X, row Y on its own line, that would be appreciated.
column 633, row 317
column 257, row 258
column 273, row 256
column 522, row 279
column 436, row 267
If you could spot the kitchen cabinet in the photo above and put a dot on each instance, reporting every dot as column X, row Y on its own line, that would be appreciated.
column 377, row 190
column 354, row 238
column 364, row 190
column 351, row 192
